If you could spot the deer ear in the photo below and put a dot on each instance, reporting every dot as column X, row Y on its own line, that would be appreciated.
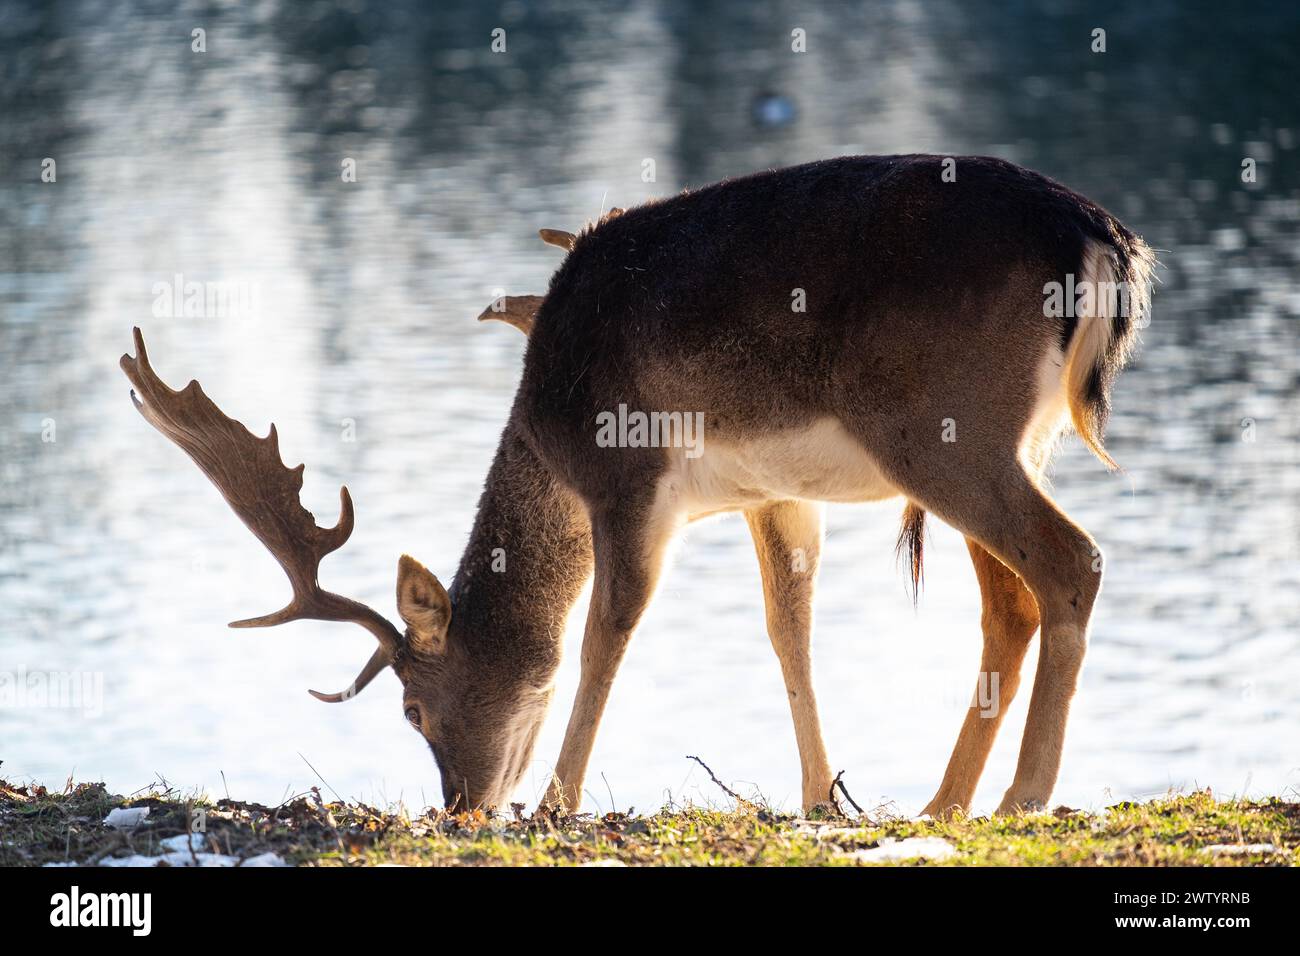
column 424, row 605
column 519, row 310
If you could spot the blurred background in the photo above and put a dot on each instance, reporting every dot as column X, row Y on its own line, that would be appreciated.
column 356, row 335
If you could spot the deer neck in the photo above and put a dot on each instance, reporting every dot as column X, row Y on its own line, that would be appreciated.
column 529, row 556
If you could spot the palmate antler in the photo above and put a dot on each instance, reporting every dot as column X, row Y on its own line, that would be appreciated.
column 263, row 492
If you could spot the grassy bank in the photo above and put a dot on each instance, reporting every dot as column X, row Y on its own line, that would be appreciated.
column 40, row 826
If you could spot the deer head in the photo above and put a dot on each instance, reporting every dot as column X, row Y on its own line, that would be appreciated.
column 441, row 697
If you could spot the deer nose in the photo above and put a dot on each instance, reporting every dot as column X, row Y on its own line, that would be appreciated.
column 454, row 798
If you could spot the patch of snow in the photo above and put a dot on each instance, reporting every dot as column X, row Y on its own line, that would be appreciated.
column 196, row 841
column 891, row 850
column 126, row 818
column 1242, row 849
column 176, row 858
column 180, row 855
column 834, row 833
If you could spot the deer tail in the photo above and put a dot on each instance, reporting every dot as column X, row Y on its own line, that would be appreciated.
column 911, row 542
column 1118, row 271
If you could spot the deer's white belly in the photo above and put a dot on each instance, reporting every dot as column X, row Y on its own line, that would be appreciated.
column 821, row 462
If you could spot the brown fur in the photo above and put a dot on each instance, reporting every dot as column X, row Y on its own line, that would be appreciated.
column 481, row 703
column 925, row 303
column 924, row 306
column 787, row 539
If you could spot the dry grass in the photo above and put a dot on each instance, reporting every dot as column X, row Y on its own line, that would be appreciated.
column 38, row 826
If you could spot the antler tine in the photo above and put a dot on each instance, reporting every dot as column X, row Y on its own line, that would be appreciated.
column 305, row 591
column 264, row 493
column 378, row 661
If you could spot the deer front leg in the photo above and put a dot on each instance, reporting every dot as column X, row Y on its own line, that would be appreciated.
column 629, row 541
column 1009, row 620
column 788, row 539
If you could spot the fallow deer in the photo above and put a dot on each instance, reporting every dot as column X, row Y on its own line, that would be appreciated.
column 923, row 310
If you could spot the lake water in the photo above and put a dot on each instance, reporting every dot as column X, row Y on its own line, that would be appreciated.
column 118, row 560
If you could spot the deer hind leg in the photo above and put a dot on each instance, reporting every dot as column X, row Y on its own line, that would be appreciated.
column 1061, row 566
column 1009, row 620
column 629, row 540
column 788, row 537
column 983, row 489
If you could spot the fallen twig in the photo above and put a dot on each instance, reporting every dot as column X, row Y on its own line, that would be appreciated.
column 329, row 822
column 838, row 782
column 714, row 777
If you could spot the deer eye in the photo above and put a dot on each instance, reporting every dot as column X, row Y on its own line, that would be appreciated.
column 413, row 715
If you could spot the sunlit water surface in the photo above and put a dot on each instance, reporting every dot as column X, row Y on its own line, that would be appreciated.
column 118, row 559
